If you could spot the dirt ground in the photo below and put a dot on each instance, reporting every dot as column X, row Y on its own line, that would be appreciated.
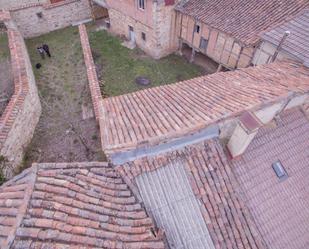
column 67, row 130
column 201, row 60
column 6, row 77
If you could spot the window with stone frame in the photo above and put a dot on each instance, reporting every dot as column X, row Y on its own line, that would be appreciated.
column 141, row 4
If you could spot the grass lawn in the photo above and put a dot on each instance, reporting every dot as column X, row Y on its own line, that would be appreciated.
column 63, row 134
column 118, row 66
column 4, row 48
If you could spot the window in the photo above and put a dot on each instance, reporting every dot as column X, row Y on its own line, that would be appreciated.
column 197, row 28
column 141, row 4
column 279, row 170
column 203, row 44
column 143, row 36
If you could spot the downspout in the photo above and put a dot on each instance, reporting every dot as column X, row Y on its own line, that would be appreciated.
column 285, row 36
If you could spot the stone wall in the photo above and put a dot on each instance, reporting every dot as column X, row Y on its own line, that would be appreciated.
column 156, row 21
column 18, row 122
column 93, row 81
column 8, row 4
column 37, row 19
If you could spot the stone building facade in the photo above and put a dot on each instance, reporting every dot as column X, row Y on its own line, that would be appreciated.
column 36, row 19
column 150, row 26
column 9, row 4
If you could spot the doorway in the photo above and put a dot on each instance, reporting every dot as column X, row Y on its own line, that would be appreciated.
column 131, row 34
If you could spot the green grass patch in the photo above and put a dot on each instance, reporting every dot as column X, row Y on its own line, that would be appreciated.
column 121, row 66
column 4, row 46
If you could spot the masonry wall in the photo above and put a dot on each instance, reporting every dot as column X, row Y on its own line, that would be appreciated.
column 53, row 16
column 8, row 4
column 221, row 47
column 18, row 122
column 156, row 21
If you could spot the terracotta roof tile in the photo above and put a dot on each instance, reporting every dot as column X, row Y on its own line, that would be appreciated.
column 83, row 205
column 280, row 208
column 227, row 218
column 161, row 113
column 245, row 20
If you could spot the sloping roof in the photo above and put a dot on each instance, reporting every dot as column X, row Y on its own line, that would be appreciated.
column 297, row 43
column 161, row 113
column 243, row 19
column 280, row 208
column 228, row 220
column 167, row 193
column 77, row 205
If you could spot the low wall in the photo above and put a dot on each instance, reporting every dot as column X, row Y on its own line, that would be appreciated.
column 18, row 122
column 93, row 81
column 37, row 19
column 8, row 4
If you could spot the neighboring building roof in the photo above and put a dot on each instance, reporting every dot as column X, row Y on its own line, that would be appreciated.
column 297, row 44
column 243, row 19
column 161, row 113
column 280, row 208
column 77, row 205
column 164, row 180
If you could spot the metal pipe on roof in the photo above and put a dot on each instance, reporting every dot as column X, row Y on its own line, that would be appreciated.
column 285, row 36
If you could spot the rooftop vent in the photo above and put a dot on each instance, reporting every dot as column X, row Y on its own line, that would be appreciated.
column 279, row 170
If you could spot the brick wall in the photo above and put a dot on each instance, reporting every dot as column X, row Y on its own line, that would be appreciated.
column 96, row 96
column 18, row 122
column 8, row 4
column 53, row 16
column 93, row 81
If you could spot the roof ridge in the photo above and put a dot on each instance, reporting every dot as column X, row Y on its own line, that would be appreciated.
column 22, row 210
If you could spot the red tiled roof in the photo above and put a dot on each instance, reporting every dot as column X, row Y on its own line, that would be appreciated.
column 280, row 208
column 227, row 218
column 297, row 43
column 243, row 19
column 157, row 114
column 77, row 205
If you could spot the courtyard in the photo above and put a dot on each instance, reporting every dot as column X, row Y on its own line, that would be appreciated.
column 6, row 78
column 67, row 130
column 118, row 67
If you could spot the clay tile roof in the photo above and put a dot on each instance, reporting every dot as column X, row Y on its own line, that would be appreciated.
column 228, row 220
column 297, row 43
column 245, row 20
column 76, row 205
column 279, row 207
column 157, row 114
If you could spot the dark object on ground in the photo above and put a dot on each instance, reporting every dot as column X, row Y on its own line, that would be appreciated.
column 46, row 49
column 41, row 52
column 143, row 81
column 38, row 65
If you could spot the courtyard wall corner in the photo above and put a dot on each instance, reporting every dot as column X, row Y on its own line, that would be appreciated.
column 18, row 122
column 41, row 18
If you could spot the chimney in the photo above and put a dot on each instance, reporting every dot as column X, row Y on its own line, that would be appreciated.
column 243, row 134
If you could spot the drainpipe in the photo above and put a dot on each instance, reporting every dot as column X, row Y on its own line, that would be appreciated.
column 285, row 36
